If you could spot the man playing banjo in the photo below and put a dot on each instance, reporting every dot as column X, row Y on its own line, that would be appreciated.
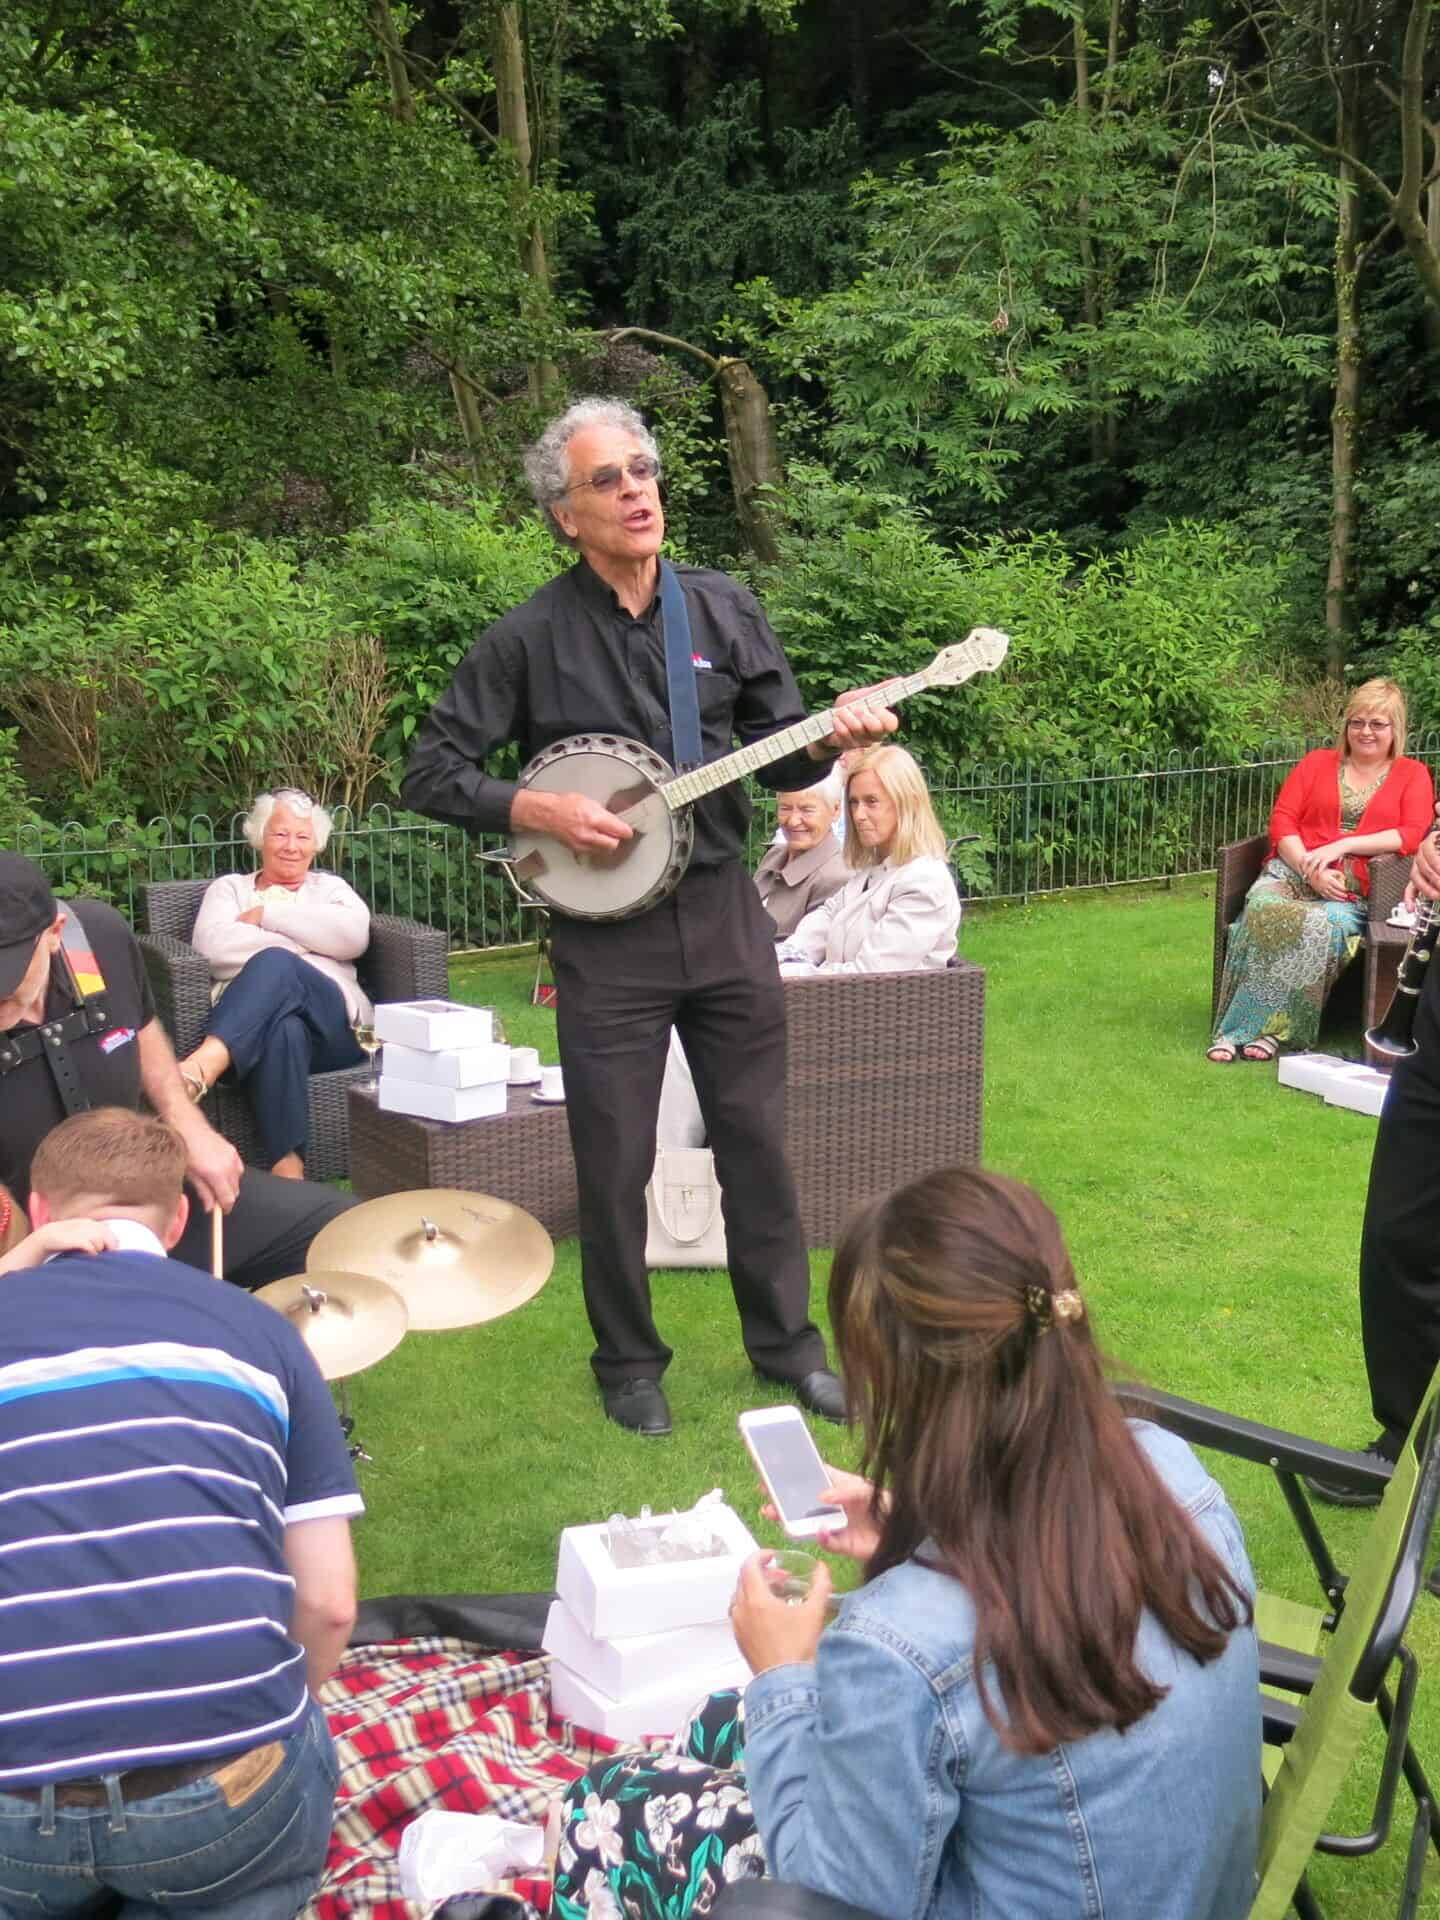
column 587, row 653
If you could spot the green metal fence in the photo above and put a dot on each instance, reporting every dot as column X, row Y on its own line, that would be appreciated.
column 1023, row 830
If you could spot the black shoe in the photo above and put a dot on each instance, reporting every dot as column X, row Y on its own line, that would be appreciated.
column 638, row 1404
column 1336, row 1495
column 819, row 1392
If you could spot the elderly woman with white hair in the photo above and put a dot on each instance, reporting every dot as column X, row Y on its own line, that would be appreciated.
column 807, row 862
column 282, row 943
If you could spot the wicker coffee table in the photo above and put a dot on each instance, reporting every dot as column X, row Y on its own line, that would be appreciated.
column 886, row 1080
column 521, row 1155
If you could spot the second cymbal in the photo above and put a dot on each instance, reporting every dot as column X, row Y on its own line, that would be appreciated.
column 455, row 1258
column 348, row 1320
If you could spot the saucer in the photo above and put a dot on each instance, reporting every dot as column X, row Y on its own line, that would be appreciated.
column 548, row 1099
column 533, row 1081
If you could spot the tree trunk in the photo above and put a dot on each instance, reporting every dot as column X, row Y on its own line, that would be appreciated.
column 513, row 115
column 1101, row 442
column 754, row 455
column 1349, row 371
column 1432, row 232
column 472, row 422
column 402, row 96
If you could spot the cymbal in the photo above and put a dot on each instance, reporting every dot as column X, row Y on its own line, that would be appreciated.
column 348, row 1320
column 454, row 1258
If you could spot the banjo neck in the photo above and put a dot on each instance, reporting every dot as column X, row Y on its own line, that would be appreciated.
column 683, row 789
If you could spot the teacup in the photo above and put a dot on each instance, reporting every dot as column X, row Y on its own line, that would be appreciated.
column 552, row 1083
column 524, row 1066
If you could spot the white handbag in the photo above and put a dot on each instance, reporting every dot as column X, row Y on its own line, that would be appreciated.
column 682, row 1207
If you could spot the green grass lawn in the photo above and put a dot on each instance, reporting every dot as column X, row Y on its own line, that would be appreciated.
column 1213, row 1215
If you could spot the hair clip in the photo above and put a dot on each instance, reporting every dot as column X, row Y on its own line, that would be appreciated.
column 1045, row 1308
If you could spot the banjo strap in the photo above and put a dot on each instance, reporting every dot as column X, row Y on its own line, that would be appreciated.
column 679, row 673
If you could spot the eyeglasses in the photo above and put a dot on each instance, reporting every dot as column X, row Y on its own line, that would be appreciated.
column 1371, row 726
column 606, row 479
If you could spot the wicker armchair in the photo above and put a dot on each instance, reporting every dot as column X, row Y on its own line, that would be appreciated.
column 1237, row 868
column 405, row 960
column 885, row 1081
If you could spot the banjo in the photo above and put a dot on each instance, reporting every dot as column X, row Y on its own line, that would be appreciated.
column 652, row 798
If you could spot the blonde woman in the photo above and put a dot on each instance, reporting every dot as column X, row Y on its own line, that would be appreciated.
column 282, row 943
column 900, row 912
column 1304, row 916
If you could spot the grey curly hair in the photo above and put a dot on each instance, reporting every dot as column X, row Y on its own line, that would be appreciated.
column 294, row 801
column 547, row 470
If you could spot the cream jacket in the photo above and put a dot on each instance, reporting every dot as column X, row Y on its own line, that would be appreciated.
column 323, row 920
column 885, row 919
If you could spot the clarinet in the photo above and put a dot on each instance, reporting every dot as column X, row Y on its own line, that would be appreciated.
column 1394, row 1038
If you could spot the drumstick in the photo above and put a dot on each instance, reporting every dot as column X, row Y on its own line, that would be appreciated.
column 217, row 1242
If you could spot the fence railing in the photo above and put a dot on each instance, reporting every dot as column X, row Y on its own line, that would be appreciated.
column 1024, row 830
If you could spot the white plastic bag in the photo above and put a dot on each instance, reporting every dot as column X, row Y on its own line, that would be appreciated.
column 442, row 1854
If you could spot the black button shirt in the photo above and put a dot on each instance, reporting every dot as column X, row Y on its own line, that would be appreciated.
column 573, row 660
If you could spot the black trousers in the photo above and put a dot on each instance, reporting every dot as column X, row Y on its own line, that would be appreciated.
column 703, row 961
column 1400, row 1241
column 268, row 1230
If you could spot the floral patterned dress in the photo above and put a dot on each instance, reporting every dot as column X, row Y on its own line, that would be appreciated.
column 655, row 1834
column 1288, row 948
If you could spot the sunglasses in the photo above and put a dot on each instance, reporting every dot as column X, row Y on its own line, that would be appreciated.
column 606, row 479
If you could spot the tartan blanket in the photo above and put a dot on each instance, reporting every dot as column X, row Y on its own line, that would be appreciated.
column 437, row 1723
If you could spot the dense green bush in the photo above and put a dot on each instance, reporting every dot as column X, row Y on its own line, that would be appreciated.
column 428, row 578
column 1160, row 647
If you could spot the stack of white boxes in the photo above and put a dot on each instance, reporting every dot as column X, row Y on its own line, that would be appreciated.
column 635, row 1649
column 1340, row 1083
column 441, row 1060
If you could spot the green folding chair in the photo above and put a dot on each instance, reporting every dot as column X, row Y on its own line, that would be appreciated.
column 1327, row 1670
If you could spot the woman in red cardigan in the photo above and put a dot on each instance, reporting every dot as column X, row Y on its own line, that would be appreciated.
column 1304, row 916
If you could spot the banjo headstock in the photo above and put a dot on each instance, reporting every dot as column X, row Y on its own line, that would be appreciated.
column 981, row 651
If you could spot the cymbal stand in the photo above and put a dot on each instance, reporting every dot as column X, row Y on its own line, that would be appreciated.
column 347, row 1424
column 315, row 1298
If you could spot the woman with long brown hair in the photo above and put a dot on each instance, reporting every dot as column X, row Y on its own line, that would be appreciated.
column 1043, row 1701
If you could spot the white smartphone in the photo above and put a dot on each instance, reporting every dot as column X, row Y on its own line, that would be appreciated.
column 789, row 1463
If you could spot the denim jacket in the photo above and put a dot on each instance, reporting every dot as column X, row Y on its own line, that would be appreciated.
column 876, row 1777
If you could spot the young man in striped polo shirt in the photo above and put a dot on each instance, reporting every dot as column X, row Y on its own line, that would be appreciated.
column 176, row 1576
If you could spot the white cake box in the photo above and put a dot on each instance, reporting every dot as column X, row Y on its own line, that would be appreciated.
column 1312, row 1072
column 623, row 1667
column 662, row 1708
column 442, row 1103
column 1363, row 1090
column 611, row 1602
column 432, row 1024
column 450, row 1067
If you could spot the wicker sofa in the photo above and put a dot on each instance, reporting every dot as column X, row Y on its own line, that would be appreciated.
column 884, row 1082
column 1237, row 868
column 405, row 960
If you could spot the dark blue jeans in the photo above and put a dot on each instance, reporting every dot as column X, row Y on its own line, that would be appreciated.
column 282, row 1020
column 211, row 1847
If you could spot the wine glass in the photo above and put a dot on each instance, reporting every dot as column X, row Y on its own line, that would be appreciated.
column 368, row 1042
column 497, row 1027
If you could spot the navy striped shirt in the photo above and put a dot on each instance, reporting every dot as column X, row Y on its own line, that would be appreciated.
column 159, row 1429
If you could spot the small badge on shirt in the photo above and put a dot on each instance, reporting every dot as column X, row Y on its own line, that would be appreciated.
column 117, row 1037
column 699, row 660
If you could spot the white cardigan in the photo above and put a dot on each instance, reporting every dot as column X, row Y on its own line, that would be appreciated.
column 886, row 919
column 323, row 920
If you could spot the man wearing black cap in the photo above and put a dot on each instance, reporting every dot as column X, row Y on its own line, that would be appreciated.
column 78, row 1029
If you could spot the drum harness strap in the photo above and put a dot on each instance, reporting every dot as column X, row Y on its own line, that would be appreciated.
column 680, row 673
column 90, row 1015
